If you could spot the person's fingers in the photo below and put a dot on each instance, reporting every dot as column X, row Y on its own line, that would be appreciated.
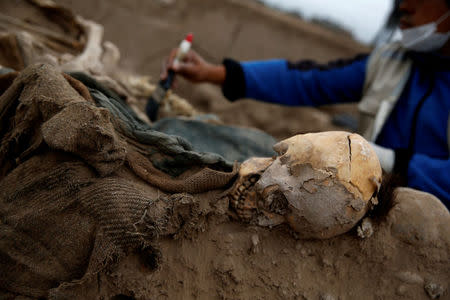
column 190, row 57
column 163, row 74
column 192, row 66
column 175, row 83
column 168, row 64
column 190, row 71
column 187, row 60
column 181, row 68
column 172, row 55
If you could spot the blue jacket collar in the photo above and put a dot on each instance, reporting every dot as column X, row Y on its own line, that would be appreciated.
column 432, row 61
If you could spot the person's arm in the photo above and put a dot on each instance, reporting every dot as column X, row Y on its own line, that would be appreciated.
column 305, row 83
column 422, row 172
column 430, row 175
column 278, row 81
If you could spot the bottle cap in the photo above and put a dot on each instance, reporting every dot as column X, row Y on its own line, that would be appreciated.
column 189, row 37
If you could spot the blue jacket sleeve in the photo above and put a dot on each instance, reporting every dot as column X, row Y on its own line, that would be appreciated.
column 430, row 175
column 278, row 81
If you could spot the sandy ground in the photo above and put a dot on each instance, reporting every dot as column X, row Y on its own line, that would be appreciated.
column 218, row 259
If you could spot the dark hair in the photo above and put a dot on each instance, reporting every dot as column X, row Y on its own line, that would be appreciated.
column 386, row 33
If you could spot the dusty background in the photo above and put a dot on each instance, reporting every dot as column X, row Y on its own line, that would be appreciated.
column 145, row 32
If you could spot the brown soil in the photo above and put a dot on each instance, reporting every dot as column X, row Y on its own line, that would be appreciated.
column 219, row 259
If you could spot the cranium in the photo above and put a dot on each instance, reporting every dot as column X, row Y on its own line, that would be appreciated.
column 321, row 184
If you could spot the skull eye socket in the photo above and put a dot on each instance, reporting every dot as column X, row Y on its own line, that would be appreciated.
column 278, row 203
column 254, row 178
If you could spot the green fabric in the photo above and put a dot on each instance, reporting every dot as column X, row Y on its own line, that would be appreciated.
column 233, row 143
column 183, row 143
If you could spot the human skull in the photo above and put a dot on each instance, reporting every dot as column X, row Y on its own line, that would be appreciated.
column 321, row 184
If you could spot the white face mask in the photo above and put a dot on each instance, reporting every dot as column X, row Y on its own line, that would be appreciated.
column 424, row 38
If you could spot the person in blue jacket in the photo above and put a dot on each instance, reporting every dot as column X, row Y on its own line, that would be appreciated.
column 403, row 90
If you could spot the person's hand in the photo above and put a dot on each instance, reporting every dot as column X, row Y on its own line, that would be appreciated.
column 194, row 68
column 386, row 157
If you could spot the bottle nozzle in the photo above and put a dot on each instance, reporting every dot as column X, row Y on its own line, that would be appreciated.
column 189, row 37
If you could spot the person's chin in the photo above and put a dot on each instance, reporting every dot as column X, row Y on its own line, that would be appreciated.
column 403, row 24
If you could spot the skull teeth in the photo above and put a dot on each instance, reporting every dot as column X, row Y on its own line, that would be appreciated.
column 239, row 198
column 243, row 208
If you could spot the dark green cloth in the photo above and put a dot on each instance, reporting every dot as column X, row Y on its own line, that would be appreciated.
column 183, row 143
column 232, row 143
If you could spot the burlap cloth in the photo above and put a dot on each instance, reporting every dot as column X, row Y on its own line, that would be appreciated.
column 77, row 189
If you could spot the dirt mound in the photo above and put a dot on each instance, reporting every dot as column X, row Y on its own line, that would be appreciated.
column 226, row 260
column 95, row 206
